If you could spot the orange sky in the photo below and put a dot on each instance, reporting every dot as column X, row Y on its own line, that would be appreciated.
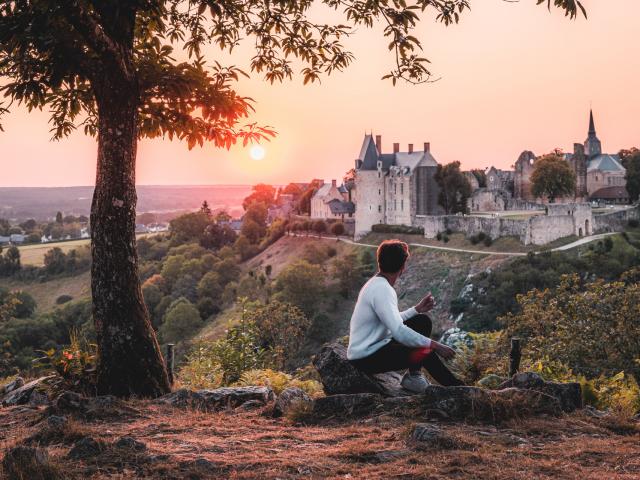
column 514, row 77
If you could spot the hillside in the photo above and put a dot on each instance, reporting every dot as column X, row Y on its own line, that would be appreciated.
column 164, row 443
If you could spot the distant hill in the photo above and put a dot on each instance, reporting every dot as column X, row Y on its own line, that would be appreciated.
column 20, row 203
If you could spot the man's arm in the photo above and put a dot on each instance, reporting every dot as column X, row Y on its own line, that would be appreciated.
column 386, row 307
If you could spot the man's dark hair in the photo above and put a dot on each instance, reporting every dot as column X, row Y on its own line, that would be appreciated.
column 392, row 255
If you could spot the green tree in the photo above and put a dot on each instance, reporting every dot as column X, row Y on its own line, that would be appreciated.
column 337, row 229
column 455, row 188
column 319, row 226
column 631, row 162
column 59, row 218
column 111, row 68
column 181, row 321
column 210, row 286
column 349, row 272
column 301, row 284
column 205, row 210
column 552, row 177
column 26, row 305
column 282, row 329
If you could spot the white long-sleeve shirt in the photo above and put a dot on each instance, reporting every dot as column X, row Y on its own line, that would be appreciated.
column 376, row 320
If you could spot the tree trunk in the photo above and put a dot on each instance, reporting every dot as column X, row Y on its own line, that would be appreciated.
column 129, row 358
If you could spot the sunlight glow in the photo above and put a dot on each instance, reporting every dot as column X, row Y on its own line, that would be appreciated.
column 257, row 152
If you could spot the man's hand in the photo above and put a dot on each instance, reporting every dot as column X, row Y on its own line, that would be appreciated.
column 426, row 304
column 445, row 352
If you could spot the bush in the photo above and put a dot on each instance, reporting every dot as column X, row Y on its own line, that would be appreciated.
column 337, row 229
column 448, row 231
column 474, row 239
column 439, row 236
column 488, row 241
column 481, row 236
column 633, row 223
column 62, row 299
column 301, row 284
column 445, row 238
column 486, row 356
column 552, row 322
column 384, row 228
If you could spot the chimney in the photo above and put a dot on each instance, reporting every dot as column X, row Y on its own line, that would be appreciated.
column 411, row 148
column 427, row 146
column 379, row 143
column 333, row 183
column 396, row 147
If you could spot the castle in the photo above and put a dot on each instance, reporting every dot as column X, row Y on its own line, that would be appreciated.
column 599, row 176
column 393, row 188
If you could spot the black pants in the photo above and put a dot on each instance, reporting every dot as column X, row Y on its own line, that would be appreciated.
column 395, row 356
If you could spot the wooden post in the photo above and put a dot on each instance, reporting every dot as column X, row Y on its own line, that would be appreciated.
column 514, row 357
column 170, row 361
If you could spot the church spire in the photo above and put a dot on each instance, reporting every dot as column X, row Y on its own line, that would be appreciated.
column 592, row 126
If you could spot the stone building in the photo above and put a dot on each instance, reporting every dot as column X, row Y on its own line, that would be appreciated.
column 393, row 188
column 327, row 202
column 594, row 170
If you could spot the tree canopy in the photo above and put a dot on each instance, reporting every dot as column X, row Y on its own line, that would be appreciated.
column 631, row 161
column 552, row 177
column 455, row 188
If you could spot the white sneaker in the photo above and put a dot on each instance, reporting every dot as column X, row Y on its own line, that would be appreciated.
column 414, row 382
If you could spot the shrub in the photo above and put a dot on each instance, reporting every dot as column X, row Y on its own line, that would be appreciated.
column 486, row 356
column 62, row 299
column 445, row 238
column 488, row 241
column 439, row 236
column 201, row 368
column 331, row 251
column 474, row 239
column 633, row 223
column 73, row 367
column 337, row 229
column 608, row 244
column 481, row 236
column 384, row 228
column 553, row 323
column 448, row 231
column 301, row 284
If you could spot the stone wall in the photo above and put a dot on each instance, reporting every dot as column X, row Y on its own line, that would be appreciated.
column 370, row 200
column 615, row 221
column 559, row 222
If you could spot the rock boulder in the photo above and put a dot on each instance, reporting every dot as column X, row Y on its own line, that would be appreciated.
column 290, row 398
column 339, row 376
column 27, row 394
column 568, row 394
column 218, row 399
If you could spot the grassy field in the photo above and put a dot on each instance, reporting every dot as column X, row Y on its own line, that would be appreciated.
column 34, row 254
column 46, row 293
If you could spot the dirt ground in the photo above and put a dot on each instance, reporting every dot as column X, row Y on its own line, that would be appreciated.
column 252, row 445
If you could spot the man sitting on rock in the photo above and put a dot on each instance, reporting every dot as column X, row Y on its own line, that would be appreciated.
column 383, row 339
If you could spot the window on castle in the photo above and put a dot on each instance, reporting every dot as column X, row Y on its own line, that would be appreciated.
column 402, row 188
column 395, row 204
column 401, row 204
column 395, row 188
column 379, row 192
column 379, row 208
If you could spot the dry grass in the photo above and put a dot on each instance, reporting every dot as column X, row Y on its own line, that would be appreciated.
column 46, row 293
column 34, row 254
column 253, row 445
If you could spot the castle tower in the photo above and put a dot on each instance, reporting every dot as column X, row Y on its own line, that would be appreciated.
column 592, row 145
column 579, row 165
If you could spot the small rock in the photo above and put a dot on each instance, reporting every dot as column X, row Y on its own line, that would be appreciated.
column 10, row 387
column 492, row 381
column 456, row 337
column 70, row 402
column 288, row 399
column 29, row 463
column 86, row 447
column 22, row 395
column 424, row 432
column 131, row 443
column 56, row 422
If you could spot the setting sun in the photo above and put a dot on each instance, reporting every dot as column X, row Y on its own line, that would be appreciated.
column 257, row 152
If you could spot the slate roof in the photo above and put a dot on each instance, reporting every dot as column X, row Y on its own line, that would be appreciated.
column 323, row 190
column 610, row 193
column 606, row 163
column 369, row 156
column 340, row 207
